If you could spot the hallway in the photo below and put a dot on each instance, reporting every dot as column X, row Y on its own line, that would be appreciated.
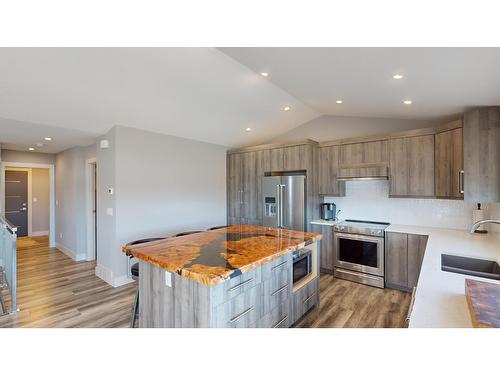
column 56, row 291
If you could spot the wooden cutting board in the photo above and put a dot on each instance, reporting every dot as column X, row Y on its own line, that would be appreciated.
column 483, row 300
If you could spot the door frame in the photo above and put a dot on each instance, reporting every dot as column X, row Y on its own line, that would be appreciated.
column 89, row 196
column 29, row 196
column 52, row 194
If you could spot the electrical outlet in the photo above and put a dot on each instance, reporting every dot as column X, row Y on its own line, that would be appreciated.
column 60, row 236
column 109, row 211
column 35, row 199
column 168, row 278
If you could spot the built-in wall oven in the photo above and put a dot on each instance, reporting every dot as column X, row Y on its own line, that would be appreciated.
column 359, row 251
column 302, row 264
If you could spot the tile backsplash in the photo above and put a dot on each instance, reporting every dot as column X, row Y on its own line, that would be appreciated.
column 369, row 200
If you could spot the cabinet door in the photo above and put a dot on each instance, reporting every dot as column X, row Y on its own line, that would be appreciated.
column 276, row 162
column 421, row 166
column 297, row 157
column 449, row 163
column 482, row 155
column 375, row 152
column 416, row 251
column 326, row 246
column 396, row 260
column 351, row 154
column 327, row 172
column 398, row 167
column 234, row 188
column 250, row 186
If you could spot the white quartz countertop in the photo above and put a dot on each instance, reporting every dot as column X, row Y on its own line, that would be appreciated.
column 324, row 222
column 440, row 296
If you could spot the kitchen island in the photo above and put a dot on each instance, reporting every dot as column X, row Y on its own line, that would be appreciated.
column 239, row 276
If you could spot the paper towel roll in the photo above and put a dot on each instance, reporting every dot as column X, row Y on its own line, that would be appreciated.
column 478, row 215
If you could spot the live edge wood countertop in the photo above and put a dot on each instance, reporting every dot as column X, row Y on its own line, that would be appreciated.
column 215, row 256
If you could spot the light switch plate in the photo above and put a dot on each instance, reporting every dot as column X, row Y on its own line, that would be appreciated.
column 35, row 199
column 168, row 278
column 109, row 211
column 104, row 143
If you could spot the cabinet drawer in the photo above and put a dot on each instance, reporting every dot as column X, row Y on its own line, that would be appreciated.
column 279, row 317
column 276, row 289
column 241, row 311
column 233, row 287
column 305, row 298
column 274, row 267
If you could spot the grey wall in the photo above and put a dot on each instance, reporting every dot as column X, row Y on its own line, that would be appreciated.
column 325, row 128
column 27, row 157
column 40, row 191
column 71, row 226
column 163, row 185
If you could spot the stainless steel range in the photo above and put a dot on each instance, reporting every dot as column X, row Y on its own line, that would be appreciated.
column 359, row 251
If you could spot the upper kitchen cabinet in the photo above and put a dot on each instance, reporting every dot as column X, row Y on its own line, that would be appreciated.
column 374, row 152
column 449, row 161
column 327, row 172
column 481, row 180
column 412, row 166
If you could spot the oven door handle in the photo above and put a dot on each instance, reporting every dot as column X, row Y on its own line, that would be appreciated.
column 358, row 237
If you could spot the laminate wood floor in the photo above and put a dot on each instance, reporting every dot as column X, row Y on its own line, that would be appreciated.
column 345, row 304
column 55, row 291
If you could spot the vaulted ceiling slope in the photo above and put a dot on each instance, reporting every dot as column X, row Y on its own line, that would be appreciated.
column 196, row 93
column 440, row 82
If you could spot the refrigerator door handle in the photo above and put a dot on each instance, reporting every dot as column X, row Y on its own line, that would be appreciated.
column 281, row 207
column 278, row 204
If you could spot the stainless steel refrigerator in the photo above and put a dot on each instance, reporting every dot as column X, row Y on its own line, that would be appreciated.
column 284, row 202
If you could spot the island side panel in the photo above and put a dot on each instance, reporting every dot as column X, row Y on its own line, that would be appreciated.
column 184, row 304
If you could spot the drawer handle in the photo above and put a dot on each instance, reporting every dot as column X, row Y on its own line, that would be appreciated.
column 279, row 290
column 239, row 316
column 281, row 321
column 308, row 298
column 279, row 265
column 240, row 285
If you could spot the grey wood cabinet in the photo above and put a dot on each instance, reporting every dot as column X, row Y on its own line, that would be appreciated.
column 412, row 166
column 404, row 254
column 328, row 166
column 262, row 297
column 449, row 164
column 373, row 152
column 326, row 247
column 482, row 155
column 234, row 183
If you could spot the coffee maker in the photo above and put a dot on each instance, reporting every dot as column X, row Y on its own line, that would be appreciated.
column 328, row 211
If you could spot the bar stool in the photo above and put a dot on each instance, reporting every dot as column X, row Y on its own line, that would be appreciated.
column 219, row 227
column 134, row 270
column 186, row 233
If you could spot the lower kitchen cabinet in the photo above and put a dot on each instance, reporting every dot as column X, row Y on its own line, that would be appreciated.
column 305, row 298
column 326, row 247
column 404, row 254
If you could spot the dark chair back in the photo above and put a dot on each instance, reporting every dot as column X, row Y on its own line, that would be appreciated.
column 186, row 233
column 219, row 227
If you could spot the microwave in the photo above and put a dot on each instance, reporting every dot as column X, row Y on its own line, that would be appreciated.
column 302, row 264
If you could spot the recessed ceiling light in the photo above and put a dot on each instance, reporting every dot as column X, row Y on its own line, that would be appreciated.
column 287, row 108
column 339, row 101
column 31, row 149
column 407, row 102
column 264, row 74
column 397, row 76
column 48, row 138
column 248, row 129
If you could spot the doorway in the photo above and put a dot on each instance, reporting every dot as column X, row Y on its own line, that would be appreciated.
column 12, row 198
column 16, row 200
column 91, row 211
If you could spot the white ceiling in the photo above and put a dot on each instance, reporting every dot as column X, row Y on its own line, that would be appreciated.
column 197, row 93
column 441, row 82
column 213, row 95
column 18, row 135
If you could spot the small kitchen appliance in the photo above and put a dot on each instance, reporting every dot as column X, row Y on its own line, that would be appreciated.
column 328, row 211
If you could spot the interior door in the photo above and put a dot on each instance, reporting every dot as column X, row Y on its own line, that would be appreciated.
column 16, row 200
column 294, row 202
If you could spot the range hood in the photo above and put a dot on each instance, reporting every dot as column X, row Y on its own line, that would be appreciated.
column 363, row 172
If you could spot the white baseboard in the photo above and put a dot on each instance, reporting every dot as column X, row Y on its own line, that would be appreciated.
column 40, row 233
column 107, row 275
column 71, row 253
